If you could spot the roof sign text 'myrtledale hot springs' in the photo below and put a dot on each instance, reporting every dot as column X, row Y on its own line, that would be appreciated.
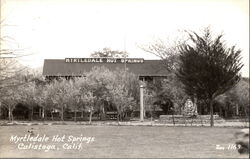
column 104, row 60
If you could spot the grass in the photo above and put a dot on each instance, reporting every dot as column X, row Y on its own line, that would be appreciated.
column 126, row 142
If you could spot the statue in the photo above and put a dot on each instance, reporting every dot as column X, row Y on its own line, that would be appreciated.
column 190, row 109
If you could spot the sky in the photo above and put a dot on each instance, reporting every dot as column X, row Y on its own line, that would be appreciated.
column 56, row 29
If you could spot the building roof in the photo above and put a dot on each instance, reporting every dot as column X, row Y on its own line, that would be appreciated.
column 58, row 67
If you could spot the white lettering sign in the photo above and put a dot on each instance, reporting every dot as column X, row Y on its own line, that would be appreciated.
column 104, row 60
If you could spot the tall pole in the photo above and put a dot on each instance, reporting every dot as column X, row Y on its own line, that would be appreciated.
column 141, row 103
column 125, row 55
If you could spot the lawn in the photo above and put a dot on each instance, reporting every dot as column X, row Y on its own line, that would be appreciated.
column 123, row 141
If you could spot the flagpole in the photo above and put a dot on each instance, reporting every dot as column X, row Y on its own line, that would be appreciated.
column 125, row 56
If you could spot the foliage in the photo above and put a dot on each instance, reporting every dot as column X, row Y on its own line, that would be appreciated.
column 120, row 94
column 28, row 92
column 60, row 96
column 86, row 94
column 149, row 102
column 238, row 95
column 107, row 52
column 168, row 93
column 175, row 91
column 10, row 100
column 212, row 59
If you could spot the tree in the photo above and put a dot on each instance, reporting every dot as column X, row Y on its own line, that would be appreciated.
column 48, row 94
column 161, row 98
column 28, row 92
column 241, row 96
column 89, row 100
column 72, row 97
column 237, row 98
column 174, row 90
column 149, row 101
column 169, row 93
column 86, row 96
column 107, row 52
column 41, row 98
column 9, row 65
column 11, row 98
column 97, row 80
column 208, row 68
column 59, row 96
column 122, row 100
column 10, row 68
column 167, row 50
column 120, row 93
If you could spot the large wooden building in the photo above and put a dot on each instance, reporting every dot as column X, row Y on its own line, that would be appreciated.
column 72, row 67
column 146, row 70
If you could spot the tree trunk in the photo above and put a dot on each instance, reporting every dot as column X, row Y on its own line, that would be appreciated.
column 200, row 109
column 126, row 116
column 201, row 120
column 192, row 119
column 82, row 114
column 151, row 120
column 32, row 112
column 52, row 118
column 180, row 110
column 118, row 116
column 62, row 113
column 0, row 111
column 101, row 111
column 40, row 114
column 90, row 117
column 121, row 116
column 144, row 113
column 211, row 113
column 225, row 111
column 43, row 113
column 75, row 115
column 237, row 109
column 173, row 118
column 12, row 117
column 246, row 113
column 154, row 112
column 10, row 112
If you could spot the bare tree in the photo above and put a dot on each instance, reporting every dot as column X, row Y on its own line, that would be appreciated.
column 166, row 50
column 107, row 52
column 10, row 67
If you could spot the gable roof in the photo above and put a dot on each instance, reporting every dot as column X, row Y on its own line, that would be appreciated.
column 58, row 67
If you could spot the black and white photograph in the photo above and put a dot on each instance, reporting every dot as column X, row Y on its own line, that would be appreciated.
column 124, row 79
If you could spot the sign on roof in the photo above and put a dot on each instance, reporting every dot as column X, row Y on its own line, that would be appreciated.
column 104, row 60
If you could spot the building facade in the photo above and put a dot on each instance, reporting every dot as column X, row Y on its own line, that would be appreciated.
column 146, row 70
